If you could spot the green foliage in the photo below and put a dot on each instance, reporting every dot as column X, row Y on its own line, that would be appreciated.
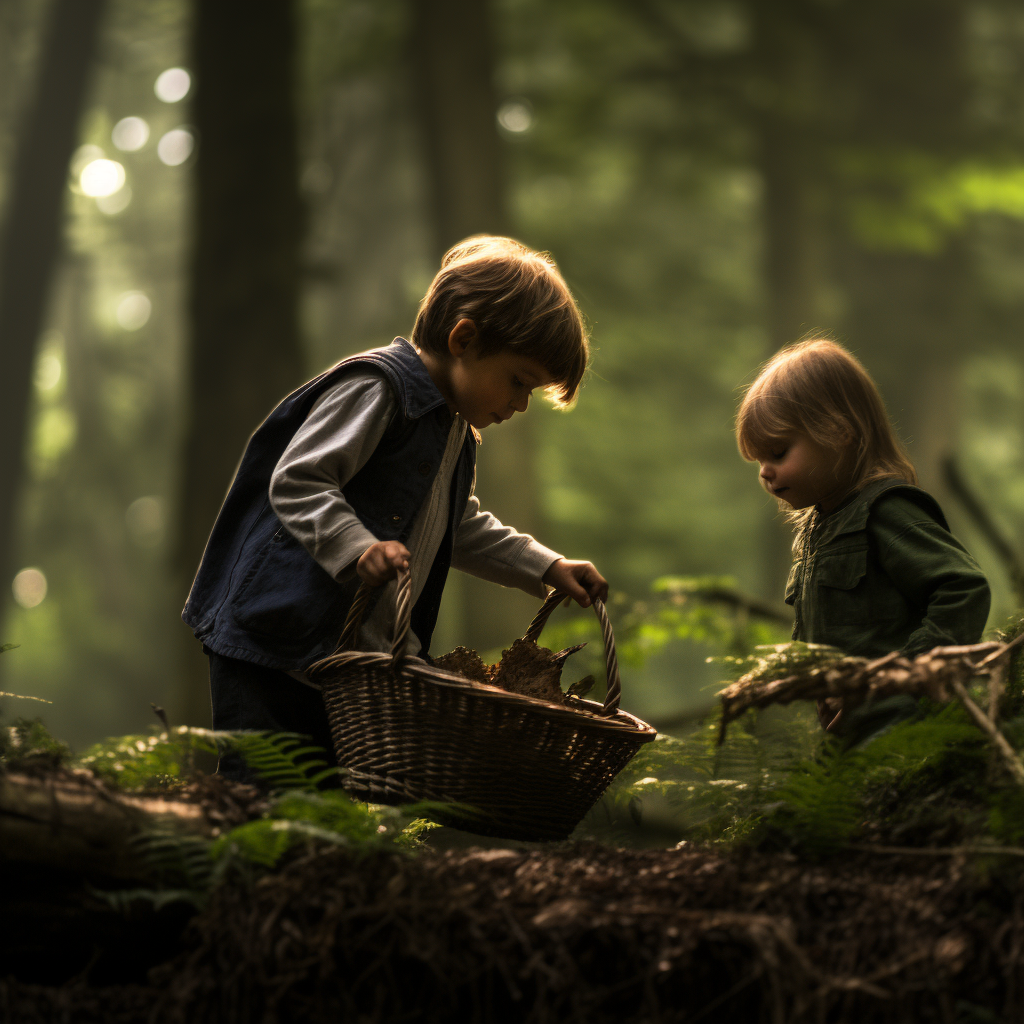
column 167, row 758
column 186, row 867
column 703, row 611
column 777, row 661
column 778, row 782
column 28, row 743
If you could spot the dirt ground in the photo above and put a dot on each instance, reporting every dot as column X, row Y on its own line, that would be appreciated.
column 582, row 933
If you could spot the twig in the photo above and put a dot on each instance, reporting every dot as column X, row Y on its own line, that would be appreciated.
column 996, row 686
column 1010, row 757
column 1003, row 648
column 1006, row 551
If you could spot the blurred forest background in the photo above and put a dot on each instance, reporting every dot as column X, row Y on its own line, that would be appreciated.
column 254, row 191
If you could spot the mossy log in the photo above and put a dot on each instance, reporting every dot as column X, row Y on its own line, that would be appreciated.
column 72, row 823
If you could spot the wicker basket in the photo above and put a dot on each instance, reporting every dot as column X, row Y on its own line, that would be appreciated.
column 529, row 769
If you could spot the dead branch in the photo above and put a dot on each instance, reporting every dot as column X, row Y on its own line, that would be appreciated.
column 940, row 674
column 1008, row 754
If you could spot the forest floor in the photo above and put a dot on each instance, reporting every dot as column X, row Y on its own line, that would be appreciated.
column 561, row 932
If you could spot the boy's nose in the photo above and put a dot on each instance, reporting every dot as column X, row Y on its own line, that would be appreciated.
column 521, row 403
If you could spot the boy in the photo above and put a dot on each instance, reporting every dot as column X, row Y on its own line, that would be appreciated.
column 370, row 468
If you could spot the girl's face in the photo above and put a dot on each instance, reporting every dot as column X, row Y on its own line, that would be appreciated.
column 803, row 473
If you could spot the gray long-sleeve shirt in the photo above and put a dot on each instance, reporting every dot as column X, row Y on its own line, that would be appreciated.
column 307, row 494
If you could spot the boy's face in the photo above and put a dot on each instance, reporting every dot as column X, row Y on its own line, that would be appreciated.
column 802, row 472
column 489, row 389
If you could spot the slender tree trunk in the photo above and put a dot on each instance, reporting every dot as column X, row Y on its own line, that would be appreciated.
column 32, row 232
column 245, row 351
column 452, row 59
column 791, row 264
column 909, row 309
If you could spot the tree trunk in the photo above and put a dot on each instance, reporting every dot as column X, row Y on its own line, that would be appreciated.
column 32, row 232
column 245, row 352
column 791, row 265
column 909, row 308
column 452, row 59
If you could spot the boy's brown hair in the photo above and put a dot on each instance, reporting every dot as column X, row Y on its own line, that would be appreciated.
column 517, row 299
column 817, row 388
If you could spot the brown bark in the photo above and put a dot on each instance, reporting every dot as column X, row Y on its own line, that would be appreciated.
column 245, row 351
column 452, row 60
column 31, row 238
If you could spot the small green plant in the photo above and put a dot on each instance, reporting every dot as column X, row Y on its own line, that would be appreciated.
column 28, row 744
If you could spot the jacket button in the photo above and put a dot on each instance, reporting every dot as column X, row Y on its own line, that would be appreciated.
column 424, row 469
column 396, row 519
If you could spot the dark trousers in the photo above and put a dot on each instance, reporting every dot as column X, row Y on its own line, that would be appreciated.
column 250, row 698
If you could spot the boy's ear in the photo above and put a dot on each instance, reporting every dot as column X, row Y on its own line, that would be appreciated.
column 462, row 335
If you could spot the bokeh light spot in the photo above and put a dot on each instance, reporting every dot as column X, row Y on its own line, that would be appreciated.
column 48, row 371
column 173, row 85
column 515, row 116
column 133, row 309
column 175, row 147
column 145, row 521
column 114, row 204
column 29, row 588
column 101, row 178
column 84, row 155
column 130, row 134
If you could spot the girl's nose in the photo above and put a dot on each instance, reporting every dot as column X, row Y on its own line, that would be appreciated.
column 766, row 471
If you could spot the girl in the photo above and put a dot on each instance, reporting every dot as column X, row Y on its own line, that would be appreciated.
column 876, row 568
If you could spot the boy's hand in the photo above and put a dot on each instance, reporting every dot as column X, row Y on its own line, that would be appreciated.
column 580, row 580
column 380, row 562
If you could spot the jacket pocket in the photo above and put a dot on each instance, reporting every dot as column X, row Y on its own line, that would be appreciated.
column 840, row 594
column 841, row 570
column 286, row 594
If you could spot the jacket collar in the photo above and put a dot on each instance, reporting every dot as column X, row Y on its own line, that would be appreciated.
column 416, row 391
column 853, row 516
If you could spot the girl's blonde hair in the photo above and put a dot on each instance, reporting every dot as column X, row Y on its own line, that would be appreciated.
column 817, row 388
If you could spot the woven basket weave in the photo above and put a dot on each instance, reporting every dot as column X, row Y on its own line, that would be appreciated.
column 406, row 731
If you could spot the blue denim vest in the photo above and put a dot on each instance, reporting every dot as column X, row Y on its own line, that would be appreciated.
column 259, row 595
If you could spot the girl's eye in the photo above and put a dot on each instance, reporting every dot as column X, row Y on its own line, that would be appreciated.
column 779, row 454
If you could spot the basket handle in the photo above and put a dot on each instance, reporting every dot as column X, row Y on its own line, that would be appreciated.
column 613, row 683
column 403, row 615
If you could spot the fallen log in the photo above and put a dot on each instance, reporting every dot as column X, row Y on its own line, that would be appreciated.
column 71, row 822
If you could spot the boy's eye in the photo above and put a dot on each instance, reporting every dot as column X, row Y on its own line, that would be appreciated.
column 516, row 382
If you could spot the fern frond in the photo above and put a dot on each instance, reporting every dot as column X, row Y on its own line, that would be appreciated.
column 283, row 760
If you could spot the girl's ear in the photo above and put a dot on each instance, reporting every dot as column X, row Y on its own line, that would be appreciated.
column 462, row 335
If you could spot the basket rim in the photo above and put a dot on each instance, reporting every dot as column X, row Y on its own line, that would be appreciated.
column 622, row 722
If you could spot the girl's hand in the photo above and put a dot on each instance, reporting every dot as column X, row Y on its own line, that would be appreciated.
column 380, row 562
column 580, row 580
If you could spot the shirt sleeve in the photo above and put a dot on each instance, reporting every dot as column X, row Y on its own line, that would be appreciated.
column 933, row 571
column 500, row 554
column 334, row 442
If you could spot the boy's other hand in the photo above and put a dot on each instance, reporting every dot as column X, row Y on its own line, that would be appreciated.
column 380, row 562
column 580, row 580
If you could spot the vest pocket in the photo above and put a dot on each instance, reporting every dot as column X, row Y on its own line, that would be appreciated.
column 286, row 594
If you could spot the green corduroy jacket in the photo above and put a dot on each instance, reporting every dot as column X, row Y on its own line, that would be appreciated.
column 883, row 573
